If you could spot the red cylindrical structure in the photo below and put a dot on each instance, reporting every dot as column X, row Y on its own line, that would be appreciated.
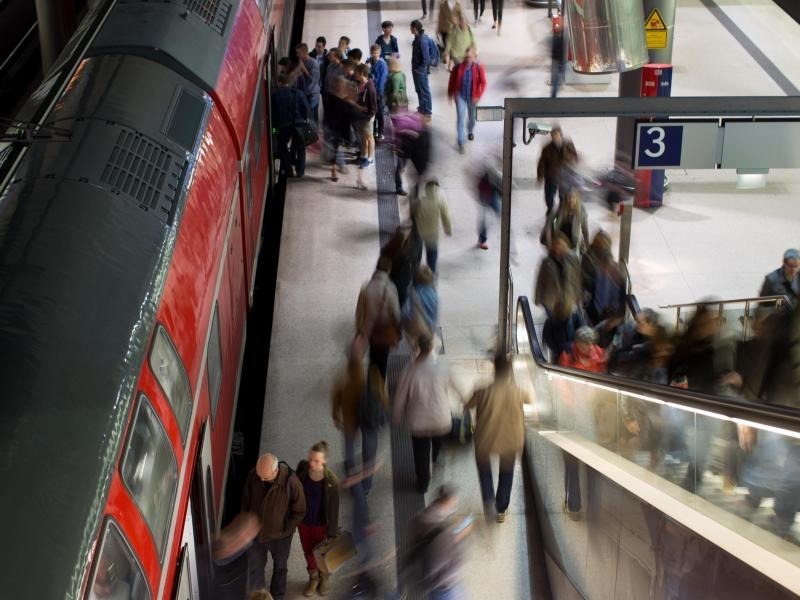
column 656, row 81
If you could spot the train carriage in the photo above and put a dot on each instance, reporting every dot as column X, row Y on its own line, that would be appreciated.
column 127, row 258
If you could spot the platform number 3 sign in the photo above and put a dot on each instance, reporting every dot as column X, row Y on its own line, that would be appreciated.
column 659, row 145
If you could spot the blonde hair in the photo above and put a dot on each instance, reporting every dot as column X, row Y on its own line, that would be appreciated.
column 394, row 65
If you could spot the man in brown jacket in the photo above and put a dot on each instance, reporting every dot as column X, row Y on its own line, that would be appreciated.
column 556, row 155
column 499, row 429
column 275, row 494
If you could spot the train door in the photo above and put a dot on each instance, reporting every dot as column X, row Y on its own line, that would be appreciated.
column 195, row 578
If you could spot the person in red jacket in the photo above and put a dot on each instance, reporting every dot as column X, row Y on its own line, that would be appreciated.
column 466, row 86
column 586, row 355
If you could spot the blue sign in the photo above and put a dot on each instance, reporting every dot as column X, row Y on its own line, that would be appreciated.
column 659, row 145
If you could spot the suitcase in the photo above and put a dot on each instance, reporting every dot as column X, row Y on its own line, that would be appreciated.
column 333, row 554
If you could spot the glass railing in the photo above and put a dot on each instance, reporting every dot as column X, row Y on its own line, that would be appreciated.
column 724, row 467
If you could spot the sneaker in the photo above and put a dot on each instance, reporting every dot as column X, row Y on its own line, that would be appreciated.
column 483, row 245
column 379, row 138
column 401, row 192
column 470, row 137
column 365, row 162
column 461, row 148
column 501, row 516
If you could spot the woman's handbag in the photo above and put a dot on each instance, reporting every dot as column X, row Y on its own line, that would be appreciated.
column 307, row 132
column 332, row 554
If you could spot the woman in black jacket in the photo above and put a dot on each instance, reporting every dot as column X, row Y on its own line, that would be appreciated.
column 322, row 512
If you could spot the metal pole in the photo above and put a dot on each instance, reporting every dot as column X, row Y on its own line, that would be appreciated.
column 52, row 16
column 505, row 228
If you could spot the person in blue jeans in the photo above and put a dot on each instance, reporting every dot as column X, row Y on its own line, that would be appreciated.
column 466, row 86
column 420, row 68
column 379, row 73
column 499, row 431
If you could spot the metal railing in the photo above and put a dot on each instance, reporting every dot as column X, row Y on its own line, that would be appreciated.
column 777, row 303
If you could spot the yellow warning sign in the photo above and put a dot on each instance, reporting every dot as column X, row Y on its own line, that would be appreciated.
column 655, row 32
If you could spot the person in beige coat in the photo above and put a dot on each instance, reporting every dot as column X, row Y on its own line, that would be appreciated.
column 499, row 429
column 429, row 208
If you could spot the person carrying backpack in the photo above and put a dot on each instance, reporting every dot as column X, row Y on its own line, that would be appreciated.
column 424, row 55
column 273, row 493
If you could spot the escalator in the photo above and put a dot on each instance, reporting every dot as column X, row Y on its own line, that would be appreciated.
column 653, row 510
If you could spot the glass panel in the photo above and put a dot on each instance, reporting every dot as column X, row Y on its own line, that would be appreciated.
column 171, row 376
column 117, row 574
column 150, row 471
column 214, row 363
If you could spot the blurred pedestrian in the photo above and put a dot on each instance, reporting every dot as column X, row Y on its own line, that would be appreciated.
column 557, row 156
column 274, row 493
column 428, row 210
column 421, row 401
column 289, row 109
column 425, row 8
column 421, row 313
column 785, row 280
column 497, row 15
column 421, row 61
column 337, row 111
column 557, row 57
column 395, row 91
column 489, row 200
column 558, row 291
column 357, row 406
column 499, row 431
column 571, row 220
column 307, row 80
column 378, row 315
column 412, row 142
column 321, row 521
column 460, row 39
column 387, row 42
column 466, row 86
column 584, row 353
column 320, row 54
column 404, row 249
column 379, row 73
column 344, row 46
column 444, row 23
column 478, row 6
column 437, row 545
column 603, row 288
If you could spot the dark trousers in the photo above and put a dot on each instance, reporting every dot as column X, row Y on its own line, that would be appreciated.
column 400, row 165
column 369, row 448
column 286, row 149
column 475, row 7
column 502, row 499
column 551, row 186
column 378, row 126
column 431, row 255
column 497, row 10
column 313, row 108
column 425, row 450
column 572, row 482
column 425, row 7
column 257, row 562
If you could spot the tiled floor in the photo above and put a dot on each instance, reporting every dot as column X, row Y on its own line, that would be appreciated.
column 708, row 239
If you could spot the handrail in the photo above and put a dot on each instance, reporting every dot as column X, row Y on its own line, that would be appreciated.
column 778, row 298
column 731, row 408
column 511, row 345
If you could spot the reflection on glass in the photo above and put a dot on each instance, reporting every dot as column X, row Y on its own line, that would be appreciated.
column 117, row 575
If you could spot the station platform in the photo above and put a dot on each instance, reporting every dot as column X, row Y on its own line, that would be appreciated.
column 709, row 239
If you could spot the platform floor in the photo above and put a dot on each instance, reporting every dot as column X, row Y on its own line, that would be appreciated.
column 708, row 239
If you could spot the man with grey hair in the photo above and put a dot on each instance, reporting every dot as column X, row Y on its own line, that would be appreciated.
column 785, row 280
column 273, row 493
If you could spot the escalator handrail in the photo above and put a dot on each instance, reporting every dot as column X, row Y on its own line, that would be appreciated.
column 770, row 415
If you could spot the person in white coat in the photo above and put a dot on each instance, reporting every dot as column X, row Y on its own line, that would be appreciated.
column 421, row 401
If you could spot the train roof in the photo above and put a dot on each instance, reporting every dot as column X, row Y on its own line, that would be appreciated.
column 87, row 228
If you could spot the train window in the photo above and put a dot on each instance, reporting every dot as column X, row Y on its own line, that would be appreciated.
column 150, row 471
column 117, row 574
column 171, row 376
column 214, row 363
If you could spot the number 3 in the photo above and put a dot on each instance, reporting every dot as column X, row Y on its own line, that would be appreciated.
column 657, row 141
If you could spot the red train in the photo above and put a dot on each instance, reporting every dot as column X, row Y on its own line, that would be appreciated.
column 128, row 249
